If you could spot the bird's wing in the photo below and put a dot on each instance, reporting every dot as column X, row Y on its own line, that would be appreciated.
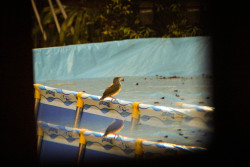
column 111, row 89
column 115, row 126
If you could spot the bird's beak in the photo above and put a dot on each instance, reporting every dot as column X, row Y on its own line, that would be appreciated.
column 121, row 78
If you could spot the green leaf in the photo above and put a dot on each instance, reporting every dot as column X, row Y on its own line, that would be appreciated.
column 105, row 32
column 77, row 27
column 65, row 25
column 48, row 18
column 137, row 21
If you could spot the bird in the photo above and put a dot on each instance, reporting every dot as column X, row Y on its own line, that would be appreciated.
column 115, row 126
column 112, row 89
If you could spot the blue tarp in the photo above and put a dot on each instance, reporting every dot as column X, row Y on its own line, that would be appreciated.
column 137, row 57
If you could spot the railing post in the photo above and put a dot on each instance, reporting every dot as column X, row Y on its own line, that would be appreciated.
column 82, row 147
column 37, row 96
column 79, row 110
column 39, row 138
column 138, row 148
column 135, row 115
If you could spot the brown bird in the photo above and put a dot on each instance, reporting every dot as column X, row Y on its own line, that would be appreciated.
column 112, row 89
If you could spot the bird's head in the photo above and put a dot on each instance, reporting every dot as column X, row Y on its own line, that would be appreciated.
column 117, row 79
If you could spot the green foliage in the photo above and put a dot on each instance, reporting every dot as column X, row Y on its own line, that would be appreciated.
column 121, row 22
column 173, row 19
column 116, row 20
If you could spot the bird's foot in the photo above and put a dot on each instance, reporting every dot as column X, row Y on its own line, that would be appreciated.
column 113, row 99
column 110, row 140
column 116, row 137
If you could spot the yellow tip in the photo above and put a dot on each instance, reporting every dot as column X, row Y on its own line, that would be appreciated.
column 136, row 112
column 82, row 139
column 138, row 147
column 37, row 94
column 80, row 102
column 39, row 129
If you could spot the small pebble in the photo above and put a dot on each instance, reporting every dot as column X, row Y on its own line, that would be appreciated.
column 145, row 78
column 136, row 83
column 162, row 97
column 181, row 134
column 173, row 77
column 159, row 140
column 166, row 136
column 186, row 137
column 162, row 77
column 177, row 95
column 175, row 90
column 156, row 102
column 178, row 129
column 201, row 102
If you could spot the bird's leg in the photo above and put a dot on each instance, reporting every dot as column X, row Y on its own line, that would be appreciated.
column 114, row 136
column 110, row 140
column 113, row 99
column 117, row 136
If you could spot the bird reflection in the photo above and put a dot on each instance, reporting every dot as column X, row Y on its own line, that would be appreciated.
column 114, row 127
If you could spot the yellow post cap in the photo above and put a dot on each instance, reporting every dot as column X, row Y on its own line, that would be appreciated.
column 82, row 139
column 138, row 147
column 37, row 94
column 136, row 112
column 80, row 102
column 39, row 129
